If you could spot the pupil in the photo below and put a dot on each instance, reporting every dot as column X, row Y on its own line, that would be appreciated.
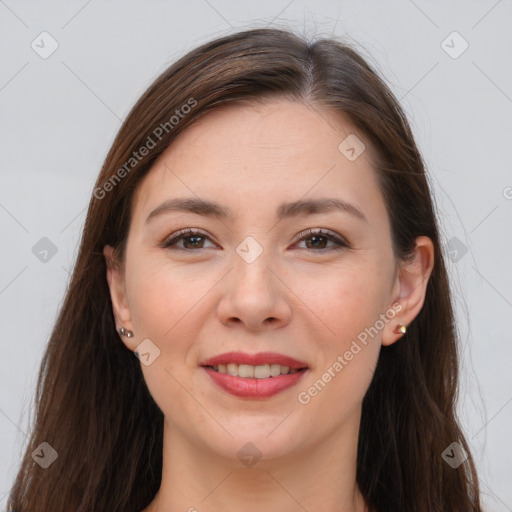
column 316, row 238
column 194, row 238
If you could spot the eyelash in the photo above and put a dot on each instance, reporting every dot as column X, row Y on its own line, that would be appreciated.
column 341, row 243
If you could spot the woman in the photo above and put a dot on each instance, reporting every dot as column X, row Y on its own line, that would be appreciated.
column 262, row 238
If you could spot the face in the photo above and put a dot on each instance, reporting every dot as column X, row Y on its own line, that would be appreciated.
column 244, row 281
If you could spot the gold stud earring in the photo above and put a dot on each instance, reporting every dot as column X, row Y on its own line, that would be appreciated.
column 400, row 329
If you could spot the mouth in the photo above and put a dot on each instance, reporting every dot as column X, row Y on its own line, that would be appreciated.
column 254, row 376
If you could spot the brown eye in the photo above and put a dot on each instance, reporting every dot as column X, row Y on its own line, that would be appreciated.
column 191, row 240
column 316, row 241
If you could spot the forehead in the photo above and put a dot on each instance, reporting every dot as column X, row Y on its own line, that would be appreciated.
column 250, row 157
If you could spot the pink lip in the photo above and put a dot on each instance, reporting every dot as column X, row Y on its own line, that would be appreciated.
column 254, row 359
column 254, row 388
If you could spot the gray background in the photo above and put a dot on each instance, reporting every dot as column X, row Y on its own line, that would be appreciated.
column 60, row 115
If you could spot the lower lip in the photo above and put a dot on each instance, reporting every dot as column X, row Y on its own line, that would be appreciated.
column 254, row 388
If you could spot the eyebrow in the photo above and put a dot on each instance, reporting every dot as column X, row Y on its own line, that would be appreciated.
column 285, row 210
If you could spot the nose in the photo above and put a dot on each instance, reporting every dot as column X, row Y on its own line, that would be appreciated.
column 254, row 296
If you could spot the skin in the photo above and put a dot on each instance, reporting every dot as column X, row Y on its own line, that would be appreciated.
column 291, row 300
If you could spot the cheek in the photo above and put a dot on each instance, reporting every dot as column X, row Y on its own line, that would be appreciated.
column 163, row 304
column 346, row 300
column 350, row 308
column 162, row 296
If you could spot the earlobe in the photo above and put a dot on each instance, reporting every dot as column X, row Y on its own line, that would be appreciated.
column 410, row 289
column 118, row 297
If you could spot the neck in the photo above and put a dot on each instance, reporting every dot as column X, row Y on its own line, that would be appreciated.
column 196, row 479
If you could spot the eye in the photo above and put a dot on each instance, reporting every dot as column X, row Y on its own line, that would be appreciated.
column 194, row 239
column 191, row 237
column 319, row 238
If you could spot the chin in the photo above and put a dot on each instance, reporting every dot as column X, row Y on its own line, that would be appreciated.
column 255, row 440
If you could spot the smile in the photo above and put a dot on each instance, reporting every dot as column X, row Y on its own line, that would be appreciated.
column 254, row 376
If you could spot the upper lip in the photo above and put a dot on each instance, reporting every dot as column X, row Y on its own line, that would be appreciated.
column 254, row 359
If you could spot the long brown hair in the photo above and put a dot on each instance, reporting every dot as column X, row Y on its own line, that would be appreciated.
column 92, row 403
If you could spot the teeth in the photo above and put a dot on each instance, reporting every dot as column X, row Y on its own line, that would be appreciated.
column 248, row 371
column 275, row 370
column 262, row 371
column 233, row 369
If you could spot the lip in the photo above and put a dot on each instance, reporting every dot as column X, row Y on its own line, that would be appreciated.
column 254, row 388
column 255, row 360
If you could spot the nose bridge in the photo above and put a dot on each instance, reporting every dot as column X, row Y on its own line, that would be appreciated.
column 250, row 263
column 251, row 250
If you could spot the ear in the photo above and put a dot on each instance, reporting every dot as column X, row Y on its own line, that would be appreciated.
column 410, row 288
column 117, row 286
